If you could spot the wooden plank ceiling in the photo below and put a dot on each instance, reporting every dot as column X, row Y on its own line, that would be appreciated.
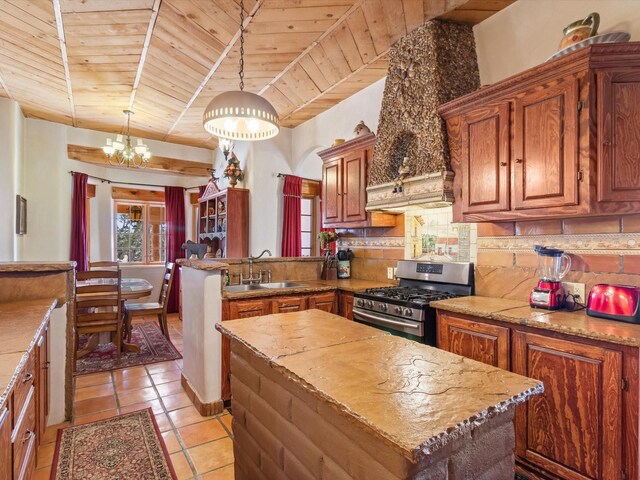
column 81, row 62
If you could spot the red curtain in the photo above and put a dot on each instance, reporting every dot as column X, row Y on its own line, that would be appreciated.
column 174, row 207
column 322, row 229
column 79, row 249
column 291, row 228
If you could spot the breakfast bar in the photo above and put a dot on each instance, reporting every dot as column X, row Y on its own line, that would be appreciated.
column 318, row 396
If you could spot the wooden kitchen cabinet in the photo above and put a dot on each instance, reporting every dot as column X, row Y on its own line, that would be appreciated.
column 324, row 301
column 288, row 304
column 479, row 341
column 555, row 141
column 247, row 308
column 344, row 185
column 345, row 307
column 619, row 136
column 574, row 428
column 5, row 443
column 584, row 425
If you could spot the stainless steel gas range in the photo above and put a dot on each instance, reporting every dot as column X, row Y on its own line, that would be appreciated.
column 404, row 310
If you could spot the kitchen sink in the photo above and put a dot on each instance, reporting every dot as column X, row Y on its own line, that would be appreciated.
column 243, row 288
column 283, row 285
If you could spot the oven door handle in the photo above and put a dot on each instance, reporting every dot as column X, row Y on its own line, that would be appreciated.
column 385, row 321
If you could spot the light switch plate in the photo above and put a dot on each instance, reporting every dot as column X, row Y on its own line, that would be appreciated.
column 390, row 273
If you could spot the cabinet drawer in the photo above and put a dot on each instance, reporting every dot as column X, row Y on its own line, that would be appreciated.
column 23, row 436
column 5, row 443
column 23, row 384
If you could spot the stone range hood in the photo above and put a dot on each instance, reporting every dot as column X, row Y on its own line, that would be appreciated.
column 428, row 67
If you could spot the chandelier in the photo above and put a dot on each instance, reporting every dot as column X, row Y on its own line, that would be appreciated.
column 240, row 115
column 121, row 152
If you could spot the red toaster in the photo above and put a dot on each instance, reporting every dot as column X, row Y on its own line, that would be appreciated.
column 615, row 302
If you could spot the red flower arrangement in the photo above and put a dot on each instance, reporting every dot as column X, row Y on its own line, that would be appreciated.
column 233, row 171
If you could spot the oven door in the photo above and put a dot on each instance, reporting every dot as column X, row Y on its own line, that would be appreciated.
column 400, row 327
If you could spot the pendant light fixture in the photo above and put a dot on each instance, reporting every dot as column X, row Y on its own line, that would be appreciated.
column 240, row 115
column 121, row 152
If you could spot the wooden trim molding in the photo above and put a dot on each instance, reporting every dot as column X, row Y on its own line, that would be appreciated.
column 205, row 409
column 310, row 188
column 157, row 164
column 91, row 190
column 136, row 194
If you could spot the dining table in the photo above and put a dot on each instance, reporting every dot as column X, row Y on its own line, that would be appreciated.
column 130, row 289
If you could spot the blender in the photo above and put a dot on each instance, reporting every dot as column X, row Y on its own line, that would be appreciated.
column 553, row 264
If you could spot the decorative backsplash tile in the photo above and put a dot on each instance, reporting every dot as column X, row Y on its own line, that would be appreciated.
column 431, row 235
column 594, row 243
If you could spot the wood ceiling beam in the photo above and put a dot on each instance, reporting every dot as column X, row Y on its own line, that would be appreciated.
column 156, row 164
column 65, row 59
column 215, row 66
column 296, row 60
column 145, row 49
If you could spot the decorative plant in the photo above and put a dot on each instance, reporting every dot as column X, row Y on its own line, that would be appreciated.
column 326, row 239
column 233, row 171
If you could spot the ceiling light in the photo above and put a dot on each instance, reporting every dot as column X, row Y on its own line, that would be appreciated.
column 240, row 115
column 121, row 152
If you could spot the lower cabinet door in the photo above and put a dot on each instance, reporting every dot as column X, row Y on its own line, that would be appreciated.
column 346, row 305
column 5, row 444
column 479, row 341
column 323, row 301
column 574, row 429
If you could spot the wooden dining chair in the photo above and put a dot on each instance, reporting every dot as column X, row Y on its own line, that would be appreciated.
column 158, row 308
column 99, row 306
column 104, row 265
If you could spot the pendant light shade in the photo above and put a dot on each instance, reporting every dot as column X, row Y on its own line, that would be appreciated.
column 241, row 115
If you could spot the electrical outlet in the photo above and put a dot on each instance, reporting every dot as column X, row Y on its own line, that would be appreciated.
column 576, row 289
column 390, row 272
column 394, row 272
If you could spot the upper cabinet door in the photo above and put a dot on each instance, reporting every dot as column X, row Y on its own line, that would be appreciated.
column 619, row 136
column 354, row 185
column 332, row 191
column 485, row 159
column 545, row 169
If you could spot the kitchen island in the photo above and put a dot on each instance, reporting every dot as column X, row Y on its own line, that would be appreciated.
column 318, row 396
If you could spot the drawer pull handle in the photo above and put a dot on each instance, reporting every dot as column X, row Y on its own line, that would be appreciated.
column 27, row 378
column 27, row 435
column 503, row 164
column 518, row 160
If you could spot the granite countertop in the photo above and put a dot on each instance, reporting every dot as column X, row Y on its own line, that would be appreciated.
column 310, row 286
column 36, row 266
column 415, row 397
column 20, row 325
column 206, row 264
column 520, row 313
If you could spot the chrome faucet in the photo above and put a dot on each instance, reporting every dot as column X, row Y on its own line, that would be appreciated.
column 251, row 279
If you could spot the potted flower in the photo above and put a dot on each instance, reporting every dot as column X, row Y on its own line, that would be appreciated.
column 326, row 239
column 329, row 268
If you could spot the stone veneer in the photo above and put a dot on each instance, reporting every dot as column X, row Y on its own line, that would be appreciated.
column 432, row 65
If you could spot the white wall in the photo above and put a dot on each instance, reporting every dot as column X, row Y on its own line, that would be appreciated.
column 528, row 32
column 11, row 177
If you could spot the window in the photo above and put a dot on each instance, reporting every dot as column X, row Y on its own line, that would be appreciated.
column 306, row 226
column 140, row 229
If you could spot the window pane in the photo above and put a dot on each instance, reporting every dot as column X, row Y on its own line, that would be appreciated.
column 306, row 240
column 306, row 252
column 129, row 232
column 156, row 234
column 306, row 206
column 306, row 224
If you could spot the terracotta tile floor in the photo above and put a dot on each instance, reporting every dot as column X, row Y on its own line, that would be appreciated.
column 199, row 447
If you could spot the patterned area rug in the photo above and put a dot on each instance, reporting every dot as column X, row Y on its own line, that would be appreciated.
column 125, row 447
column 154, row 347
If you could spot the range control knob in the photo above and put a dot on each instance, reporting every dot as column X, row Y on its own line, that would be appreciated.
column 383, row 307
column 359, row 302
column 408, row 312
column 399, row 310
column 368, row 304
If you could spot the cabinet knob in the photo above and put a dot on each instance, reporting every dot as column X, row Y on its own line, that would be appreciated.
column 27, row 435
column 27, row 378
column 518, row 160
column 606, row 143
column 503, row 164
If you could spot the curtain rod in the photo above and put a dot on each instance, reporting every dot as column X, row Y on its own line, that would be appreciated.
column 289, row 175
column 135, row 184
